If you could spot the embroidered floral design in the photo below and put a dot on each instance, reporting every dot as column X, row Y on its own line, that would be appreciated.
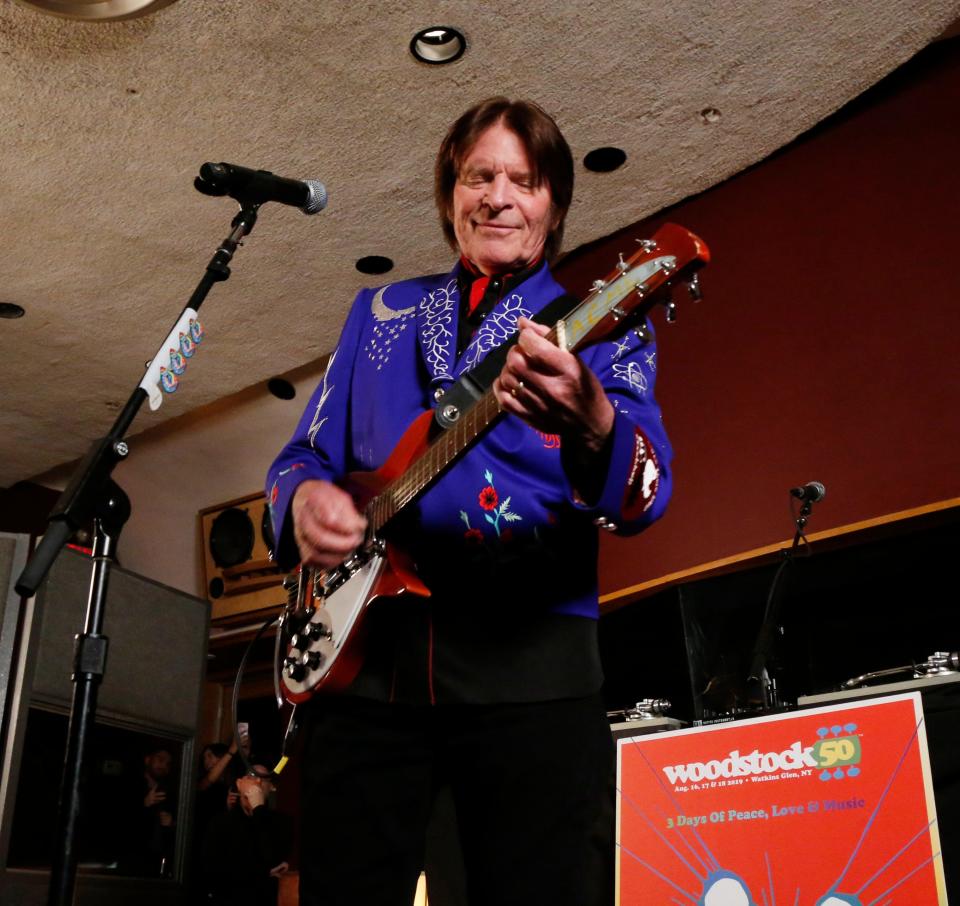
column 495, row 511
column 275, row 487
column 632, row 375
column 640, row 494
column 620, row 347
column 498, row 326
column 551, row 441
column 438, row 308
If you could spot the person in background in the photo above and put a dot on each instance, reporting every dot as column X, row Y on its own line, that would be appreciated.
column 148, row 840
column 245, row 848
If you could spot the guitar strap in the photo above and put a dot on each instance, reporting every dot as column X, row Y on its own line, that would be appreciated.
column 474, row 383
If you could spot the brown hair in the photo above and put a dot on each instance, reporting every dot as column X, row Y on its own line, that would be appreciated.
column 547, row 149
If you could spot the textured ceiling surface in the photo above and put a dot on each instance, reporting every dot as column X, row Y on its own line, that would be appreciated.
column 104, row 127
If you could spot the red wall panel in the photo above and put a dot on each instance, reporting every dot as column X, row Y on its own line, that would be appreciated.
column 825, row 347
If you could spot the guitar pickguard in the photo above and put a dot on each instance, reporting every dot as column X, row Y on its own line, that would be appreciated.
column 326, row 660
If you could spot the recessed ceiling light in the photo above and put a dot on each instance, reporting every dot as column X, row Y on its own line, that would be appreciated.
column 374, row 264
column 603, row 160
column 97, row 10
column 11, row 310
column 281, row 388
column 438, row 44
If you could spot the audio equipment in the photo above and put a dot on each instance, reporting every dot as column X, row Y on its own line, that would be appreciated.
column 150, row 697
column 241, row 580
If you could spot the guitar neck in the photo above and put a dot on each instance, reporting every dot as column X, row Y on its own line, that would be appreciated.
column 438, row 455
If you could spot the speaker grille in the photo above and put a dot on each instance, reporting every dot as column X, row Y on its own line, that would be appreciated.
column 231, row 538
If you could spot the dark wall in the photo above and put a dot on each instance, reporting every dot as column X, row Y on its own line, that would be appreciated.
column 825, row 345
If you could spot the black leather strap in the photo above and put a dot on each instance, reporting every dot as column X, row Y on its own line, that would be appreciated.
column 474, row 384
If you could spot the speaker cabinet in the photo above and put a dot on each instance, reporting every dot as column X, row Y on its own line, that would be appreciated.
column 241, row 581
column 150, row 697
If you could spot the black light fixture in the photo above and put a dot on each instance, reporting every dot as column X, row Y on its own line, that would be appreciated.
column 374, row 264
column 604, row 160
column 438, row 44
column 281, row 388
column 11, row 310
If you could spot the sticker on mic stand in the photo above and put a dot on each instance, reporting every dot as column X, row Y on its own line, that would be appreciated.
column 169, row 362
column 168, row 380
column 177, row 364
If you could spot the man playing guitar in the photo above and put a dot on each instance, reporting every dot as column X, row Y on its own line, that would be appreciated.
column 487, row 676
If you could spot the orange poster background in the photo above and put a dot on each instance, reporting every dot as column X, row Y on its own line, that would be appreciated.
column 801, row 843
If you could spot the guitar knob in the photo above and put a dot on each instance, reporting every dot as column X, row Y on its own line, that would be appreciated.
column 316, row 631
column 300, row 641
column 313, row 660
column 294, row 670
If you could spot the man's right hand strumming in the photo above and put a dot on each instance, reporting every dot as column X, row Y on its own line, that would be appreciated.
column 326, row 524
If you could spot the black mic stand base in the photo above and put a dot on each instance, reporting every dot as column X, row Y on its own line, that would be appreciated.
column 90, row 662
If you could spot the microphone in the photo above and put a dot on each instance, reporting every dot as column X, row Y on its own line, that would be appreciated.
column 812, row 491
column 258, row 186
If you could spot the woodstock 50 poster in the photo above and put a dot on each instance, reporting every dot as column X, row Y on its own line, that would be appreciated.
column 824, row 807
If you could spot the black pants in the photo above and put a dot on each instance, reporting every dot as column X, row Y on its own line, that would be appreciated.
column 530, row 784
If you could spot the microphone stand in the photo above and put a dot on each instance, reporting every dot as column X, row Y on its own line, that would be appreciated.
column 762, row 647
column 92, row 494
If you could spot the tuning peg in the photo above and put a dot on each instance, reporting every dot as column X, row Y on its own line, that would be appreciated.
column 642, row 334
column 597, row 285
column 622, row 265
column 669, row 305
column 647, row 245
column 693, row 287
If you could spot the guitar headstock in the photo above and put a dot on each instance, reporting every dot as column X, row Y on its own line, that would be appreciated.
column 673, row 255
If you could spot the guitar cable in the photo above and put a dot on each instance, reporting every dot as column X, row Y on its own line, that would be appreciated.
column 292, row 725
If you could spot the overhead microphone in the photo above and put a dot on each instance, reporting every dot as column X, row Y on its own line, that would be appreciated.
column 812, row 491
column 258, row 186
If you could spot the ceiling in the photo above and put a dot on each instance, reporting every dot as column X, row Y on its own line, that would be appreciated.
column 105, row 125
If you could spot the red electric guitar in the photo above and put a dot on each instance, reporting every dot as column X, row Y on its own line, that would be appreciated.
column 324, row 616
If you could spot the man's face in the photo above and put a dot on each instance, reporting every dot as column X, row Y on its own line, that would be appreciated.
column 500, row 218
column 157, row 764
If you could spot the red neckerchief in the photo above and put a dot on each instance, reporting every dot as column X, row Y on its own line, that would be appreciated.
column 481, row 281
column 478, row 285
